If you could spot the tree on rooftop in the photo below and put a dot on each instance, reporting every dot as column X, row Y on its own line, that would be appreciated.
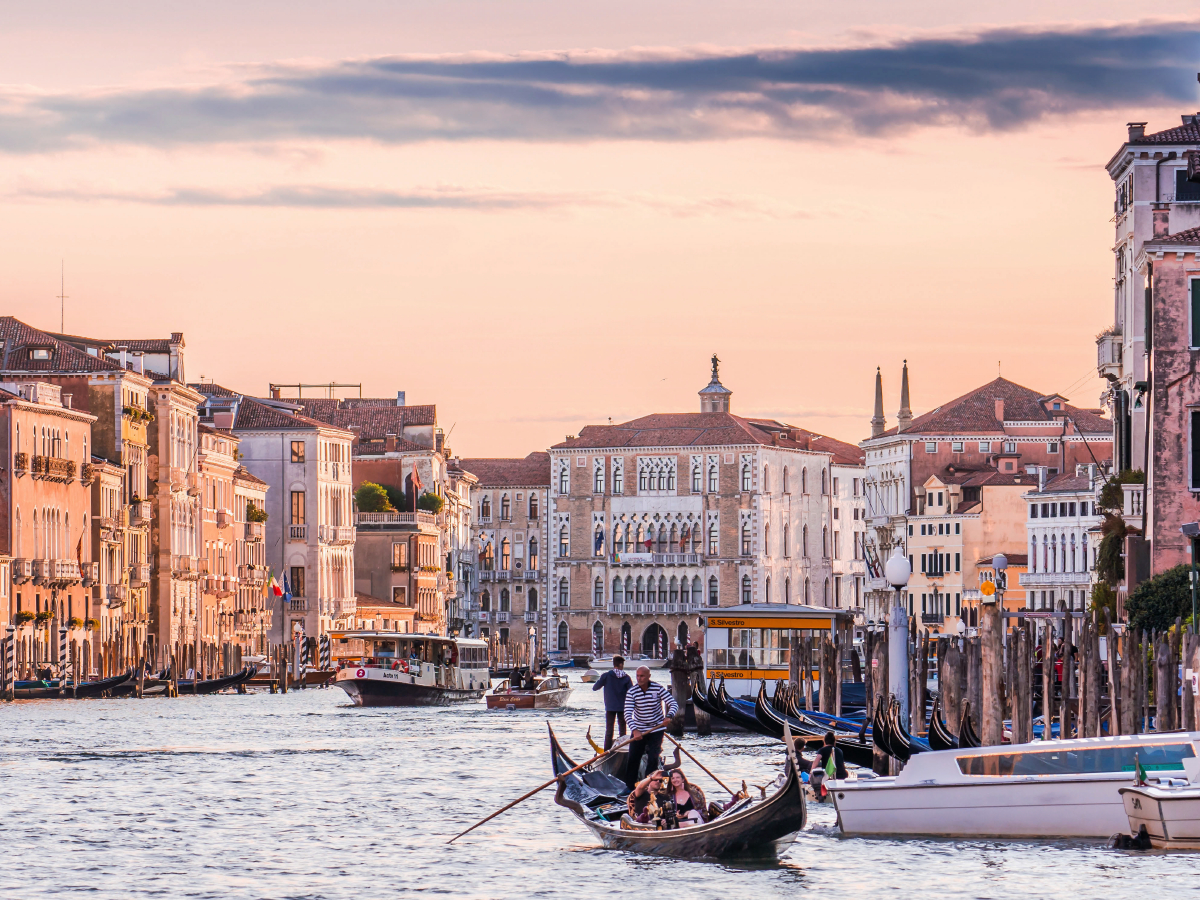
column 371, row 497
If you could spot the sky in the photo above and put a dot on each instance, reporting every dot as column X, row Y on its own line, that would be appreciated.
column 538, row 215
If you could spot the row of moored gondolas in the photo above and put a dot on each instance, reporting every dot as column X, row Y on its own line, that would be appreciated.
column 855, row 733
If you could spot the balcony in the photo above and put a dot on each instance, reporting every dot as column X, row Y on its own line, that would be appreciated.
column 297, row 532
column 90, row 572
column 483, row 520
column 253, row 575
column 193, row 483
column 139, row 576
column 1053, row 579
column 115, row 594
column 298, row 605
column 931, row 618
column 531, row 574
column 501, row 575
column 52, row 468
column 335, row 534
column 622, row 558
column 53, row 572
column 255, row 531
column 531, row 615
column 178, row 477
column 502, row 617
column 1108, row 354
column 395, row 519
column 485, row 616
column 1132, row 506
column 185, row 567
column 22, row 570
column 224, row 518
column 139, row 513
column 20, row 463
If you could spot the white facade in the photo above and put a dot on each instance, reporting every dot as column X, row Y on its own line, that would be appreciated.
column 1063, row 529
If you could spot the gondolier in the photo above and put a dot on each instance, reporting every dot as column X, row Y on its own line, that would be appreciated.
column 648, row 709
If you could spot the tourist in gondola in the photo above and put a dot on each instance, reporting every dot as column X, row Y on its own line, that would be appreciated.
column 689, row 799
column 829, row 749
column 616, row 684
column 648, row 710
column 642, row 801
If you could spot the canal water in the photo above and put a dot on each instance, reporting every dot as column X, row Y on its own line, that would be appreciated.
column 305, row 796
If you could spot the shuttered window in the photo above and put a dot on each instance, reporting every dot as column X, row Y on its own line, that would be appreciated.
column 1195, row 307
column 1194, row 475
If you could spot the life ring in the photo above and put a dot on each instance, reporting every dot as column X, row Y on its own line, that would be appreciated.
column 395, row 665
column 403, row 665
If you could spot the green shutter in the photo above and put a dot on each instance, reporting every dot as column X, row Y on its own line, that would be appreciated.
column 1195, row 312
column 1194, row 475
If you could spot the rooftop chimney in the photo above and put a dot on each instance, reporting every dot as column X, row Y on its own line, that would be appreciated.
column 1137, row 130
column 400, row 398
column 139, row 362
column 999, row 409
column 1042, row 472
column 878, row 421
column 1162, row 220
column 389, row 443
column 274, row 392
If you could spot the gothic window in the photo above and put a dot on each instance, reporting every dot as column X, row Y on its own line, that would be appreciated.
column 766, row 485
column 804, row 541
column 505, row 601
column 597, row 638
column 533, row 553
column 745, row 539
column 825, row 593
column 787, row 549
column 685, row 591
column 564, row 541
column 767, row 540
column 564, row 592
column 598, row 543
column 598, row 477
column 505, row 508
column 697, row 591
column 618, row 591
column 824, row 481
column 643, row 480
column 641, row 589
column 712, row 478
column 662, row 538
column 767, row 590
column 786, row 486
column 674, row 539
column 712, row 590
column 804, row 480
column 598, row 593
column 713, row 548
column 532, row 603
column 505, row 555
column 563, row 644
column 824, row 541
column 696, row 478
column 745, row 477
column 746, row 594
column 533, row 505
column 618, row 485
column 787, row 591
column 485, row 601
column 674, row 595
column 806, row 592
column 564, row 477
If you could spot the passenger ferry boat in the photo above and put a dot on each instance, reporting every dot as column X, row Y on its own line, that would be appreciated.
column 1042, row 789
column 381, row 668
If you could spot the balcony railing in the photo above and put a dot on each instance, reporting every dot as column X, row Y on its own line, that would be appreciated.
column 1108, row 355
column 1038, row 579
column 224, row 518
column 531, row 574
column 255, row 531
column 255, row 575
column 22, row 570
column 932, row 618
column 115, row 594
column 531, row 615
column 623, row 558
column 185, row 567
column 193, row 483
column 139, row 513
column 395, row 518
column 335, row 534
column 90, row 571
column 56, row 571
column 502, row 616
column 298, row 605
column 297, row 532
column 178, row 478
column 52, row 468
column 139, row 575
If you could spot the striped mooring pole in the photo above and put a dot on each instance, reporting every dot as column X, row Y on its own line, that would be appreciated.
column 10, row 662
column 326, row 653
column 62, row 652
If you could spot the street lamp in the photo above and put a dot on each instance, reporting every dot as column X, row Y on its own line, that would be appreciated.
column 1000, row 564
column 897, row 572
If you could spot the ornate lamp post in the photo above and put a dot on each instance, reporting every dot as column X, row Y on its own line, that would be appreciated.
column 897, row 572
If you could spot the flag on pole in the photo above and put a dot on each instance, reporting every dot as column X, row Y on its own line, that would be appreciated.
column 274, row 587
column 287, row 588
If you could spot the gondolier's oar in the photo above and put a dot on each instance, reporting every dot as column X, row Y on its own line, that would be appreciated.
column 617, row 746
column 701, row 765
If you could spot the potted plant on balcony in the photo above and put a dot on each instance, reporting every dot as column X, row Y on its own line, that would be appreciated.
column 371, row 497
column 430, row 503
column 255, row 513
column 92, row 624
column 75, row 622
column 43, row 618
column 24, row 617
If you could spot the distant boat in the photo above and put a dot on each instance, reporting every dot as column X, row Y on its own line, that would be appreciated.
column 590, row 676
column 401, row 669
column 549, row 692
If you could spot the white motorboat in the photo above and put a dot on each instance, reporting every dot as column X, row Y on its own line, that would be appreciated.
column 1042, row 789
column 1170, row 814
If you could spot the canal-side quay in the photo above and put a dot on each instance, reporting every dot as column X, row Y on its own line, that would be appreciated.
column 304, row 795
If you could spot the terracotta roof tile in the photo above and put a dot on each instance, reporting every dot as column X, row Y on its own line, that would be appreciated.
column 1066, row 483
column 975, row 413
column 1187, row 133
column 532, row 471
column 241, row 473
column 19, row 338
column 1190, row 237
column 376, row 417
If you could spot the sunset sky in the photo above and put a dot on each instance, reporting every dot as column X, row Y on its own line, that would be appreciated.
column 541, row 214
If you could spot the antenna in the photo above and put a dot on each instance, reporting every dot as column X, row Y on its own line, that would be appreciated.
column 62, row 298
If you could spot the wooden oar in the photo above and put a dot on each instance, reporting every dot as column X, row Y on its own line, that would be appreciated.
column 617, row 746
column 701, row 765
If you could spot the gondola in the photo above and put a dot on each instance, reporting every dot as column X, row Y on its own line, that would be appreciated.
column 212, row 685
column 855, row 751
column 940, row 737
column 967, row 736
column 614, row 764
column 152, row 685
column 730, row 711
column 748, row 829
column 89, row 689
column 36, row 690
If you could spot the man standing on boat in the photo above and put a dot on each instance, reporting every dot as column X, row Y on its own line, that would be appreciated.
column 616, row 685
column 648, row 710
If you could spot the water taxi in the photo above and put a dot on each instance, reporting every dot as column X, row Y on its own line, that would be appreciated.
column 547, row 692
column 382, row 668
column 1065, row 788
column 1166, row 816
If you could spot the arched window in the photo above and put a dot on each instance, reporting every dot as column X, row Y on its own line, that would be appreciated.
column 804, row 480
column 505, row 555
column 505, row 602
column 685, row 591
column 697, row 484
column 563, row 643
column 598, row 592
column 786, row 485
column 787, row 547
column 598, row 541
column 746, row 594
column 505, row 508
column 641, row 589
column 745, row 539
column 682, row 633
column 564, row 476
column 712, row 478
column 767, row 540
column 532, row 603
column 533, row 505
column 804, row 541
column 533, row 553
column 564, row 593
column 825, row 592
column 713, row 540
column 598, row 639
column 485, row 508
column 674, row 595
column 662, row 538
column 713, row 594
column 697, row 591
column 626, row 637
column 767, row 590
column 651, row 590
column 807, row 598
column 485, row 602
column 825, row 540
column 618, row 591
column 787, row 590
column 670, row 478
column 674, row 539
column 564, row 541
column 745, row 477
column 766, row 485
column 824, row 481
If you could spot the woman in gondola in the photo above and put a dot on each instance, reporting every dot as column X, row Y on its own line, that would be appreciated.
column 690, row 807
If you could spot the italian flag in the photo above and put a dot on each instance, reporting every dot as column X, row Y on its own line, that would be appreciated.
column 273, row 587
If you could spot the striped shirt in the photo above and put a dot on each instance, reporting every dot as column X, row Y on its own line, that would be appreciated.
column 644, row 708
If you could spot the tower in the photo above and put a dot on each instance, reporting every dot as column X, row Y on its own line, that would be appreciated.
column 905, row 416
column 715, row 397
column 878, row 421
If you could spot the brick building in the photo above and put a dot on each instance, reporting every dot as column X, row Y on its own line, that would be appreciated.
column 657, row 518
column 510, row 503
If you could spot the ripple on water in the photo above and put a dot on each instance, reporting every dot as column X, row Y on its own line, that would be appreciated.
column 304, row 796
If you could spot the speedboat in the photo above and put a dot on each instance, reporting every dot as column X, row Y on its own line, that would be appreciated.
column 549, row 692
column 1166, row 815
column 1041, row 789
